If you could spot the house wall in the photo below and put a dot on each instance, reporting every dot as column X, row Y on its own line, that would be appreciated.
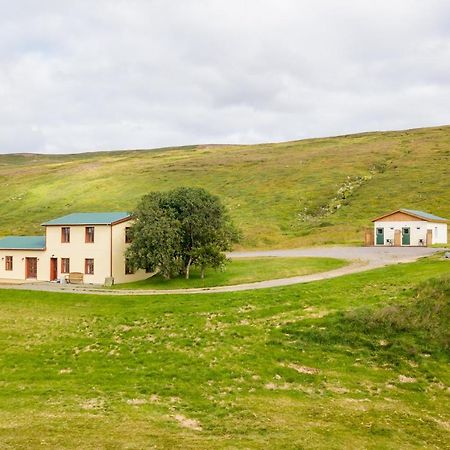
column 418, row 230
column 18, row 272
column 119, row 247
column 77, row 250
column 440, row 232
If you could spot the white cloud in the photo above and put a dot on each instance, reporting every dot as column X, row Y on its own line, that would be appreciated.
column 109, row 74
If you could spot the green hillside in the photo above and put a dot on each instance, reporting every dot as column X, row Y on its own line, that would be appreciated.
column 315, row 191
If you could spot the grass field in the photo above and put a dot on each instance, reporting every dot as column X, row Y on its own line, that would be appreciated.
column 360, row 361
column 310, row 192
column 243, row 270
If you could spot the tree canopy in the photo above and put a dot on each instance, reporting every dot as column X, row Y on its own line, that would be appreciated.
column 178, row 229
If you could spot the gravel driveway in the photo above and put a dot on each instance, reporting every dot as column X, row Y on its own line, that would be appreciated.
column 372, row 255
column 361, row 259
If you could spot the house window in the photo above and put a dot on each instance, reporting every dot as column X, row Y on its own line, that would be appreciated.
column 8, row 263
column 89, row 266
column 65, row 265
column 129, row 269
column 89, row 234
column 65, row 234
column 128, row 238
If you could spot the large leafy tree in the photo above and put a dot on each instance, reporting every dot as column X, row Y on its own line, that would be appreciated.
column 178, row 229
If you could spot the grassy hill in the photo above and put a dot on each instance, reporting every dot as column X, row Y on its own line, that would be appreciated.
column 315, row 191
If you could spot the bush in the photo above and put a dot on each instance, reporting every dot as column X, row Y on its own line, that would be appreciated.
column 426, row 314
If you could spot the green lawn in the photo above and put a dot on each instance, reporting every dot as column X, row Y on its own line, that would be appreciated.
column 242, row 270
column 360, row 361
column 280, row 195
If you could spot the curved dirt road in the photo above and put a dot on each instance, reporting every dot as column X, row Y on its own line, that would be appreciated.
column 361, row 259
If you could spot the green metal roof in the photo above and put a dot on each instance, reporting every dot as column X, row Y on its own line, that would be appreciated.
column 422, row 214
column 98, row 218
column 23, row 243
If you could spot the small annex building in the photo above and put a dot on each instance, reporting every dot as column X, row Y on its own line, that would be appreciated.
column 89, row 244
column 408, row 227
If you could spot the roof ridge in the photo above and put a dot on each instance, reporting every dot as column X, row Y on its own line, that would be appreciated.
column 423, row 213
column 23, row 242
column 89, row 218
column 416, row 213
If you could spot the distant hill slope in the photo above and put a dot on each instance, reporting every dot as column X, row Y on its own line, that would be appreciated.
column 314, row 191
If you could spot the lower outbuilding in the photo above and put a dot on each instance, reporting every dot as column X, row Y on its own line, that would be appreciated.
column 408, row 227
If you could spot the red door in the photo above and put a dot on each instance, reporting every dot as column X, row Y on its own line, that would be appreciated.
column 31, row 267
column 53, row 269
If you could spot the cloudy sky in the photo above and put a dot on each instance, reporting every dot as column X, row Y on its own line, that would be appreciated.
column 87, row 75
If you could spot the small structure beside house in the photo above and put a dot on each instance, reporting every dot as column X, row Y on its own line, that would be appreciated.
column 90, row 244
column 407, row 227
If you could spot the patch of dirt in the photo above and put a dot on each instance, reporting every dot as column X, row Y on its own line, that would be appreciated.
column 93, row 403
column 303, row 369
column 154, row 398
column 404, row 379
column 445, row 424
column 338, row 389
column 275, row 387
column 185, row 422
column 293, row 387
column 246, row 308
column 92, row 348
column 136, row 401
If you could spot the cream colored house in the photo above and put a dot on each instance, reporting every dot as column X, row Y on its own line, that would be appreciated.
column 89, row 243
column 408, row 227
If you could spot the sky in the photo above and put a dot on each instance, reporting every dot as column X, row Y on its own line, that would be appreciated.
column 123, row 74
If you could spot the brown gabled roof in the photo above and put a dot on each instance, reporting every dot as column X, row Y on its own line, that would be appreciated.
column 414, row 213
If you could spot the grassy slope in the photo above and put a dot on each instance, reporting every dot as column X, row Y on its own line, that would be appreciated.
column 99, row 372
column 243, row 270
column 265, row 186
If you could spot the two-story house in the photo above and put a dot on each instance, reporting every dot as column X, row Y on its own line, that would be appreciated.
column 93, row 244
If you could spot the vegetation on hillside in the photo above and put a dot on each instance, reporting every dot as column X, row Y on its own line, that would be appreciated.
column 314, row 191
column 353, row 362
column 418, row 325
column 424, row 318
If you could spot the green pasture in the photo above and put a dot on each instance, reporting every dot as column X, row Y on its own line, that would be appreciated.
column 359, row 361
column 239, row 271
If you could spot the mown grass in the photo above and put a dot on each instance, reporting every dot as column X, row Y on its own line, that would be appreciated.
column 242, row 270
column 266, row 187
column 322, row 365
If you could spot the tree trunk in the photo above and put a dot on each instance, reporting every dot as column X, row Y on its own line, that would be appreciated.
column 202, row 273
column 188, row 268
